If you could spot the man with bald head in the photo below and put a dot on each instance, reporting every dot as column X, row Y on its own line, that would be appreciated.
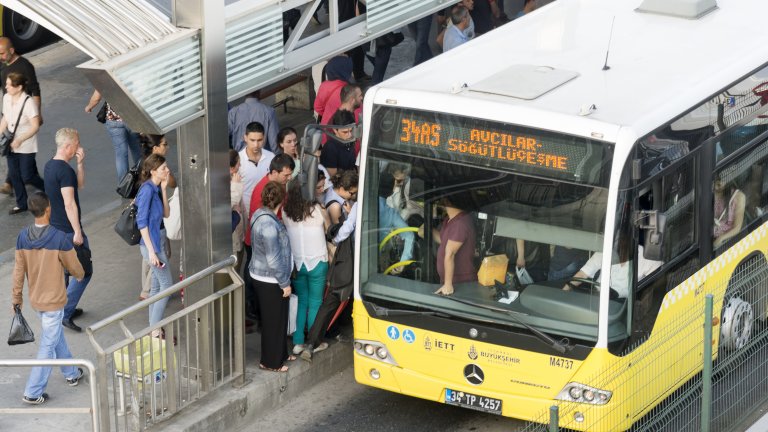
column 11, row 61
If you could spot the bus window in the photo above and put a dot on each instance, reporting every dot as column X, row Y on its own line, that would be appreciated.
column 497, row 211
column 739, row 191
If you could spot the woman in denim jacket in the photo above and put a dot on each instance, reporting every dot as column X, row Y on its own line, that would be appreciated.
column 270, row 268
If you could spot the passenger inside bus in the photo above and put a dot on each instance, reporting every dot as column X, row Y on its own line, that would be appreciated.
column 621, row 272
column 565, row 262
column 401, row 188
column 456, row 251
column 729, row 206
column 390, row 222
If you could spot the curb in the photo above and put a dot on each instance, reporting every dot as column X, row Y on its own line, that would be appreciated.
column 229, row 408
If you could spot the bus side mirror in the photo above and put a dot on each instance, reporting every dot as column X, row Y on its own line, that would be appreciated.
column 310, row 146
column 652, row 223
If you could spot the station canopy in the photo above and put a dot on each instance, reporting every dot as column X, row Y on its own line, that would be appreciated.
column 151, row 70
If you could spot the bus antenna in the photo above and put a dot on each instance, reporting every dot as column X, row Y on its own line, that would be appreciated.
column 608, row 50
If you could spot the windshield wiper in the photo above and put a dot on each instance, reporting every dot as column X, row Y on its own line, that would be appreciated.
column 557, row 346
column 381, row 311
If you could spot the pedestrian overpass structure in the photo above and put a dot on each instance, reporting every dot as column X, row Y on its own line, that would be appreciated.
column 178, row 69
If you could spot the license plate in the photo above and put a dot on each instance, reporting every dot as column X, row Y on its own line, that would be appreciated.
column 472, row 401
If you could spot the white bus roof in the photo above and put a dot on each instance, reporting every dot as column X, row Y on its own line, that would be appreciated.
column 660, row 66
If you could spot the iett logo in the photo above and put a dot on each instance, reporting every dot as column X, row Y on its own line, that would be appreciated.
column 427, row 343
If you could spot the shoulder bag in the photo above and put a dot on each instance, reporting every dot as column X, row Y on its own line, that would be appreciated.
column 126, row 226
column 6, row 138
column 173, row 221
column 129, row 184
column 101, row 116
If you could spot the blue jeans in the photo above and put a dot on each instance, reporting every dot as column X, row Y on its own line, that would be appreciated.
column 22, row 170
column 75, row 289
column 161, row 280
column 309, row 286
column 52, row 346
column 380, row 62
column 123, row 140
column 420, row 31
column 565, row 273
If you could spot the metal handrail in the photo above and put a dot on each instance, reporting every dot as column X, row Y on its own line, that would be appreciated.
column 237, row 354
column 231, row 261
column 94, row 410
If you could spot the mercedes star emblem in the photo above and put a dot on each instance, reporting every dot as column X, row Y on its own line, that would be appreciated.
column 474, row 374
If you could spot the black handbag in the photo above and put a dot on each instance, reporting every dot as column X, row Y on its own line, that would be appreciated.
column 84, row 256
column 20, row 332
column 129, row 184
column 126, row 226
column 101, row 116
column 6, row 138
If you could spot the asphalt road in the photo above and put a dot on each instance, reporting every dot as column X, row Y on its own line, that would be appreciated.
column 341, row 404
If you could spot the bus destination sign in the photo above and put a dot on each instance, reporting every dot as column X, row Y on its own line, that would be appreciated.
column 483, row 142
column 488, row 143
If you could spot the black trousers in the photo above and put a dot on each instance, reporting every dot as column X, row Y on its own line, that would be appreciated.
column 324, row 316
column 22, row 170
column 251, row 299
column 274, row 324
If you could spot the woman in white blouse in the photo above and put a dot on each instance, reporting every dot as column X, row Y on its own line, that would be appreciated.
column 22, row 167
column 306, row 222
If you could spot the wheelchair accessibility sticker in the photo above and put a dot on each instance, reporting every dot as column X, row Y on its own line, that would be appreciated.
column 393, row 332
column 409, row 336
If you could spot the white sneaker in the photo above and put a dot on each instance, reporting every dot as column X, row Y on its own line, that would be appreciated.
column 322, row 347
column 297, row 349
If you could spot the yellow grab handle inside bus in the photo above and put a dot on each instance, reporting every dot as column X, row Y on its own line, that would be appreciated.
column 394, row 233
column 398, row 264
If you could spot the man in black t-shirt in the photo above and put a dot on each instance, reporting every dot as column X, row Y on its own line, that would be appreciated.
column 61, row 185
column 338, row 156
column 13, row 62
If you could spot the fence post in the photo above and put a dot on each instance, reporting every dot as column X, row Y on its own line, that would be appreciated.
column 554, row 419
column 706, row 373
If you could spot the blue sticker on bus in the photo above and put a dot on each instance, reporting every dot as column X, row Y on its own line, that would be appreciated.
column 393, row 332
column 409, row 336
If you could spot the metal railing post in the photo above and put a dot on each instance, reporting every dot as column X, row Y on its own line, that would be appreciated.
column 239, row 334
column 102, row 384
column 706, row 373
column 554, row 419
column 94, row 410
column 204, row 340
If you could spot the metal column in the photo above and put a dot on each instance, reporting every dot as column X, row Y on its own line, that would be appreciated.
column 203, row 150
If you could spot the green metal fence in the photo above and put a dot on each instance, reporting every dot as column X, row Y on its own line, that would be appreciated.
column 719, row 395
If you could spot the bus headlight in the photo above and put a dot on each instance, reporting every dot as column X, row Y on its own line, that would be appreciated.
column 382, row 353
column 373, row 350
column 577, row 392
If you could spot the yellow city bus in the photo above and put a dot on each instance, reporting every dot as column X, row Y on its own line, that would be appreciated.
column 588, row 135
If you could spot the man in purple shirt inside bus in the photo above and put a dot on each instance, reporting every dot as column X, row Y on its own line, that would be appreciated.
column 457, row 248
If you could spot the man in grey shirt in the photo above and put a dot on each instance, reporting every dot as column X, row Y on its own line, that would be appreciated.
column 252, row 110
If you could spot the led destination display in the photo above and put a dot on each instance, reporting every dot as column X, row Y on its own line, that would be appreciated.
column 486, row 143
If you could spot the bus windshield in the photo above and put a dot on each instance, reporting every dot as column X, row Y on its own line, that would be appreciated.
column 520, row 212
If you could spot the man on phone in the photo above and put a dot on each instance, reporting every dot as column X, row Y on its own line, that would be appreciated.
column 61, row 185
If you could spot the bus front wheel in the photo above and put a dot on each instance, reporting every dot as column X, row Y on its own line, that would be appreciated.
column 24, row 33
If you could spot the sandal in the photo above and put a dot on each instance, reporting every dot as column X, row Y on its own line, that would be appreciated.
column 291, row 357
column 283, row 368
